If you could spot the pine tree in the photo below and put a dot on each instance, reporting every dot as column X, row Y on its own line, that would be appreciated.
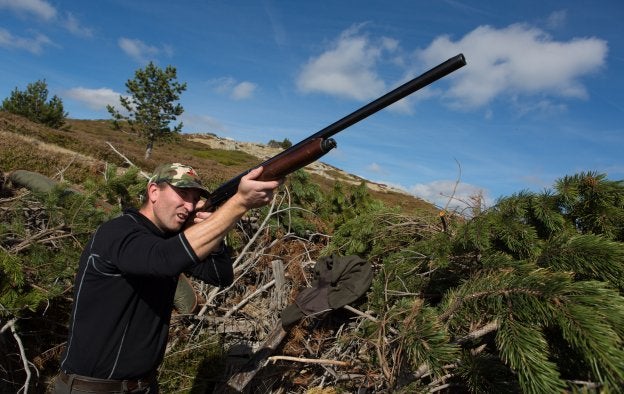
column 525, row 296
column 33, row 104
column 151, row 106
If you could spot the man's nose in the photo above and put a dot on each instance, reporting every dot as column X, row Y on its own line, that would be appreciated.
column 189, row 205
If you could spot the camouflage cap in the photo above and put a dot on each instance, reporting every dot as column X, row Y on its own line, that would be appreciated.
column 179, row 175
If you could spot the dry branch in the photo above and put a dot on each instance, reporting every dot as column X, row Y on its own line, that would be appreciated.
column 241, row 379
column 127, row 160
column 339, row 363
column 249, row 297
column 11, row 325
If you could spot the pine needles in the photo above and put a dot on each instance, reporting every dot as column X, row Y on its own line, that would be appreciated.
column 527, row 294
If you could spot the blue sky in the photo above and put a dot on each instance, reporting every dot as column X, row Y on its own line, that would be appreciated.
column 542, row 95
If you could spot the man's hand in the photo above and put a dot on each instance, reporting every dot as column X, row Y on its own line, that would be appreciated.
column 254, row 194
column 211, row 227
column 199, row 215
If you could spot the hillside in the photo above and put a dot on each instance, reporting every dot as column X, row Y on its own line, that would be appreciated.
column 85, row 147
column 41, row 249
column 503, row 301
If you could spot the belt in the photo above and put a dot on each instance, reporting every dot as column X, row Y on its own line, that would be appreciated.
column 104, row 385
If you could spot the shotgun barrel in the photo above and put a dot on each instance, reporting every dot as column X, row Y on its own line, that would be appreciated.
column 319, row 143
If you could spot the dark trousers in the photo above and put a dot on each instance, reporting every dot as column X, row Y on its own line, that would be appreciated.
column 76, row 384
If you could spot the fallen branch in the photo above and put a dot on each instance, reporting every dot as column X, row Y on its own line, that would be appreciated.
column 7, row 326
column 11, row 325
column 249, row 297
column 62, row 171
column 127, row 160
column 369, row 317
column 40, row 238
column 273, row 359
column 210, row 298
column 488, row 328
column 423, row 370
column 222, row 325
column 255, row 236
column 588, row 385
column 239, row 380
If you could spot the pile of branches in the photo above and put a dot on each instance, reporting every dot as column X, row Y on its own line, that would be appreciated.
column 524, row 296
column 43, row 235
column 330, row 351
column 34, row 287
column 270, row 268
column 43, row 227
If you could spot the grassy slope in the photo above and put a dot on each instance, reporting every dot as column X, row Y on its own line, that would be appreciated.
column 81, row 150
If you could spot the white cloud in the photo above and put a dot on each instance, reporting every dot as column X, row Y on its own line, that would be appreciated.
column 557, row 19
column 142, row 52
column 33, row 44
column 460, row 196
column 243, row 90
column 348, row 69
column 96, row 99
column 202, row 124
column 39, row 8
column 167, row 50
column 489, row 114
column 376, row 168
column 73, row 25
column 43, row 10
column 540, row 105
column 517, row 60
column 232, row 88
column 222, row 85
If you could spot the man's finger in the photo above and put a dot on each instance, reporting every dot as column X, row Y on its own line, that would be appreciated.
column 200, row 205
column 255, row 173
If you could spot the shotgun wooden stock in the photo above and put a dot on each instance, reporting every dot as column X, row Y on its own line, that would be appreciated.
column 319, row 143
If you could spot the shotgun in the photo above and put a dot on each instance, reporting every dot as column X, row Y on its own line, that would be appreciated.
column 318, row 144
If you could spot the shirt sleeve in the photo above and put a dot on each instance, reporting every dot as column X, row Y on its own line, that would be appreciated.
column 139, row 252
column 216, row 269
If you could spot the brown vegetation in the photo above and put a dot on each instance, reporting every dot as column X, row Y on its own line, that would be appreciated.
column 80, row 149
column 83, row 150
column 502, row 301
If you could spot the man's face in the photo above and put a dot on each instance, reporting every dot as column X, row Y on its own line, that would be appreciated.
column 172, row 206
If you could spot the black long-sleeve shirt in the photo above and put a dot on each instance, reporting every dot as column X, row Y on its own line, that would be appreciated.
column 123, row 297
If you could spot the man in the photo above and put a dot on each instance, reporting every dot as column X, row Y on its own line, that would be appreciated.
column 128, row 272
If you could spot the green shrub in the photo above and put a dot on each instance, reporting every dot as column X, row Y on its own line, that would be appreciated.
column 33, row 104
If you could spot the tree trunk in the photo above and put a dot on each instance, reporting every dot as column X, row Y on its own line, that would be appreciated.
column 148, row 149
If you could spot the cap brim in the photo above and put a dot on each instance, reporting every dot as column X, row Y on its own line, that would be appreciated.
column 202, row 190
column 193, row 185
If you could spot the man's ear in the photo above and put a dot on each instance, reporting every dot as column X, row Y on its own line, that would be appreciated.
column 152, row 192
